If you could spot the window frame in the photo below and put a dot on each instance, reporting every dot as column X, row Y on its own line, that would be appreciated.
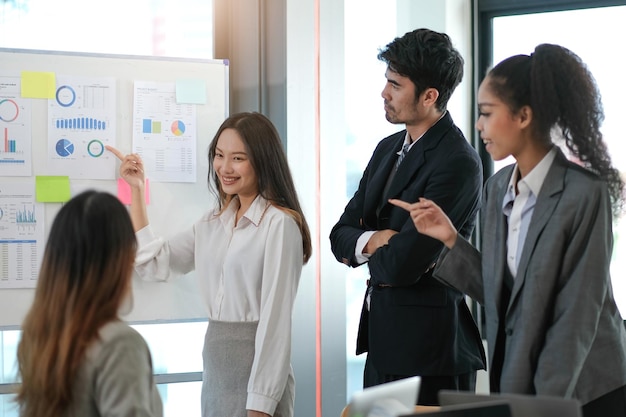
column 484, row 11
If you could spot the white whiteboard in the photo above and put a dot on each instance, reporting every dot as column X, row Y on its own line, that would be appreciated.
column 173, row 206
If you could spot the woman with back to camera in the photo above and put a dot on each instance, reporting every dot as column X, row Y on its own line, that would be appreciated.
column 248, row 254
column 75, row 356
column 543, row 273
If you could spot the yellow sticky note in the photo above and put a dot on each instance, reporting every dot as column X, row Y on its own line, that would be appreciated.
column 38, row 84
column 52, row 189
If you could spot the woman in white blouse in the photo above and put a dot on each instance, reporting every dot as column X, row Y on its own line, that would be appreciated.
column 248, row 254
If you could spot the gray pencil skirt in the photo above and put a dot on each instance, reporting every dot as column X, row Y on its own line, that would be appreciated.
column 228, row 354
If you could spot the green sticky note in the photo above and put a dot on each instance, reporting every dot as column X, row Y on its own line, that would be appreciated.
column 52, row 189
column 190, row 91
column 38, row 84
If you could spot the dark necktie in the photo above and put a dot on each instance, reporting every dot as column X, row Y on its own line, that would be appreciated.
column 405, row 150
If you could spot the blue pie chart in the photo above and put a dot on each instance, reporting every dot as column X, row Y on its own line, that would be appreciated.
column 66, row 96
column 64, row 148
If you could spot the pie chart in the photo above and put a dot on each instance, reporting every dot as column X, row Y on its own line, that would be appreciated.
column 64, row 148
column 66, row 96
column 8, row 110
column 178, row 127
column 95, row 148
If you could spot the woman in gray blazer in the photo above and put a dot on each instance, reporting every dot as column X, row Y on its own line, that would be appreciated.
column 553, row 327
column 76, row 357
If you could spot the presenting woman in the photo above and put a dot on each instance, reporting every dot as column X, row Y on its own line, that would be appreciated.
column 248, row 254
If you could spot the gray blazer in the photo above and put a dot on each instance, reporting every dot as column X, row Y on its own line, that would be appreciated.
column 564, row 333
column 116, row 378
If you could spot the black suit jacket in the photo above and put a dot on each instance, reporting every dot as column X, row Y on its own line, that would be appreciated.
column 415, row 325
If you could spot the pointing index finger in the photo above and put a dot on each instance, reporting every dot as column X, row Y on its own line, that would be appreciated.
column 401, row 204
column 115, row 152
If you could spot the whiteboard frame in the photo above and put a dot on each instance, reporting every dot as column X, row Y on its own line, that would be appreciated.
column 173, row 206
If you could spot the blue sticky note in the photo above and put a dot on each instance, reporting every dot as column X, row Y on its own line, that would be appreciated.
column 191, row 91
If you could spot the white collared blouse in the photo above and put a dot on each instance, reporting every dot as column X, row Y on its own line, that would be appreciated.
column 246, row 272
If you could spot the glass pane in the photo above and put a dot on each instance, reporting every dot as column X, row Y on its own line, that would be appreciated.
column 8, row 408
column 564, row 28
column 140, row 27
column 183, row 28
column 175, row 347
column 180, row 399
column 8, row 356
column 366, row 126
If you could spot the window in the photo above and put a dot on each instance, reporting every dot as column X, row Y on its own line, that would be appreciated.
column 140, row 27
column 181, row 361
column 365, row 121
column 366, row 126
column 563, row 28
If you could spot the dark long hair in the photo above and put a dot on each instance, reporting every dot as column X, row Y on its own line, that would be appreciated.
column 84, row 277
column 562, row 93
column 268, row 159
column 428, row 59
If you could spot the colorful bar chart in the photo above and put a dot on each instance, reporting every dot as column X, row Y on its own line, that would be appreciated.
column 82, row 123
column 9, row 144
column 25, row 217
column 151, row 126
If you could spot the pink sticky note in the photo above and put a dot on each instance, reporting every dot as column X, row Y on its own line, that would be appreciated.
column 123, row 191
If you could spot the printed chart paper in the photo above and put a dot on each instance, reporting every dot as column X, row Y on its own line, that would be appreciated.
column 164, row 132
column 81, row 122
column 21, row 235
column 16, row 157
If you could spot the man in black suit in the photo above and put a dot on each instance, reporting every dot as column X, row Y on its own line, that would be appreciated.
column 411, row 324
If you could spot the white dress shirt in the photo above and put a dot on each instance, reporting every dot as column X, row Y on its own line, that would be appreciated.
column 248, row 272
column 519, row 207
column 365, row 236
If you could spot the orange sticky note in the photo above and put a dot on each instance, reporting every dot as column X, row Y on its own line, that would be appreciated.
column 123, row 191
column 36, row 84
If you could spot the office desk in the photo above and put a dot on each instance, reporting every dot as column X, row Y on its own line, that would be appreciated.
column 418, row 409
